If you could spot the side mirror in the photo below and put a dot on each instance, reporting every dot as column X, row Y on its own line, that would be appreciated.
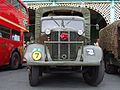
column 97, row 26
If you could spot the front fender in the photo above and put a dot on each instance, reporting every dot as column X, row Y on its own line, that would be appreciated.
column 32, row 48
column 92, row 53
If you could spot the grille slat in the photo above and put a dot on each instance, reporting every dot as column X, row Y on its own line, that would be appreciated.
column 63, row 50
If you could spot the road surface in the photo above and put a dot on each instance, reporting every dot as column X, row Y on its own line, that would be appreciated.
column 18, row 80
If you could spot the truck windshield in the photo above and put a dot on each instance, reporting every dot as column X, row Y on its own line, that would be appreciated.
column 65, row 23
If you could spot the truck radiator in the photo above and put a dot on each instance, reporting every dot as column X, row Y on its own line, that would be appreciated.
column 63, row 49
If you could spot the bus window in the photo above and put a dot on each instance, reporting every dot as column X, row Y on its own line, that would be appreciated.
column 15, row 35
column 16, row 4
column 25, row 21
column 5, row 32
column 9, row 1
column 0, row 34
column 24, row 11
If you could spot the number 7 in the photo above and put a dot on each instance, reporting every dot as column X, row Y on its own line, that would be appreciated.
column 37, row 54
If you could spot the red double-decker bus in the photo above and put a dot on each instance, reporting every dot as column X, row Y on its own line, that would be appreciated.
column 13, row 21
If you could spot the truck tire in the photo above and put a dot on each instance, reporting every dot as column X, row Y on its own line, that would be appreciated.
column 109, row 67
column 93, row 75
column 34, row 75
column 15, row 61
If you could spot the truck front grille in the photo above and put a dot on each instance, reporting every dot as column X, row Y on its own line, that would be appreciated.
column 63, row 49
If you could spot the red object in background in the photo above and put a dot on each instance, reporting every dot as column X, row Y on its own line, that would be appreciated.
column 13, row 20
column 64, row 36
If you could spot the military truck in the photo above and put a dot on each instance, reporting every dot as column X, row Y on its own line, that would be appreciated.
column 62, row 36
column 110, row 43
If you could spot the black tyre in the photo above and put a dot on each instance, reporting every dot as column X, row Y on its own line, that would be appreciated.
column 15, row 61
column 93, row 75
column 109, row 67
column 34, row 75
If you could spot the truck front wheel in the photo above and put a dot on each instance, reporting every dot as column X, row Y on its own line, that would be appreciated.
column 34, row 73
column 93, row 75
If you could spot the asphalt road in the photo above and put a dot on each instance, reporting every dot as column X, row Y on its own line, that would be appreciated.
column 18, row 80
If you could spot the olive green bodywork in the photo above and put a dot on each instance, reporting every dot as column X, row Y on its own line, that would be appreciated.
column 72, row 52
column 63, row 45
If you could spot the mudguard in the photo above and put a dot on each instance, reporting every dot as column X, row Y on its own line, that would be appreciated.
column 92, row 53
column 36, row 49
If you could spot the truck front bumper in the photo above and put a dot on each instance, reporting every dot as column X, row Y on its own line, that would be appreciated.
column 63, row 63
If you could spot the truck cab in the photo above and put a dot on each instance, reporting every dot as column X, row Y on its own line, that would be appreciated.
column 63, row 46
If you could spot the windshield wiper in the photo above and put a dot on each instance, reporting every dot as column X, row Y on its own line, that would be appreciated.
column 62, row 24
column 69, row 22
column 55, row 21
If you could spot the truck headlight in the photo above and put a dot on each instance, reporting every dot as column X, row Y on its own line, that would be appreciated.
column 36, row 55
column 80, row 32
column 47, row 31
column 90, row 52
